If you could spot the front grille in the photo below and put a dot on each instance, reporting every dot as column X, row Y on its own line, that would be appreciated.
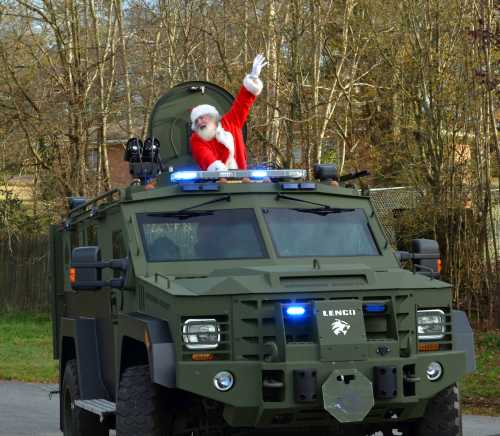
column 223, row 351
column 405, row 320
column 254, row 326
column 257, row 323
column 397, row 322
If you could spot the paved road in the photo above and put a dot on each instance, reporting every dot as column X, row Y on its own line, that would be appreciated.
column 25, row 410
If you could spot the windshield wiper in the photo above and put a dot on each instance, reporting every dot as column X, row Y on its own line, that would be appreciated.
column 180, row 214
column 324, row 210
column 288, row 197
column 188, row 212
column 206, row 203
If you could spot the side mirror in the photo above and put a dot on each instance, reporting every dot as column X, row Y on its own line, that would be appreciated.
column 426, row 257
column 86, row 267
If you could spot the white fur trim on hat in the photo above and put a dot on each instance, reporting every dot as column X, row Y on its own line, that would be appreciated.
column 203, row 109
column 217, row 165
column 253, row 84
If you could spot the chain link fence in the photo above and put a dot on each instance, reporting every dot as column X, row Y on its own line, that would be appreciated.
column 388, row 202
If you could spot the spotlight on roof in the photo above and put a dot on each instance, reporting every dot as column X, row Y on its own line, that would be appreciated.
column 144, row 159
column 325, row 172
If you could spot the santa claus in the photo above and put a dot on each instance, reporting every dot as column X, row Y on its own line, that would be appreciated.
column 217, row 142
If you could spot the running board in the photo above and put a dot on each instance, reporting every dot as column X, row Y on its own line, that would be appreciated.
column 99, row 407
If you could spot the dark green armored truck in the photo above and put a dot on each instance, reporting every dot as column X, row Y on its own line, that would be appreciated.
column 246, row 302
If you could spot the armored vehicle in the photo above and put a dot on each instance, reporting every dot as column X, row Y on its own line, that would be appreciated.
column 244, row 302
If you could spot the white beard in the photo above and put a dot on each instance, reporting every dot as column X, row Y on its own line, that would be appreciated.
column 208, row 132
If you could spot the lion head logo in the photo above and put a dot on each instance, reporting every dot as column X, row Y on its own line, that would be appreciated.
column 340, row 327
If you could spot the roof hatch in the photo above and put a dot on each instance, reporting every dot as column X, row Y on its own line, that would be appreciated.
column 170, row 119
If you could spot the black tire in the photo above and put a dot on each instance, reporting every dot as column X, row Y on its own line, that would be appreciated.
column 348, row 430
column 139, row 409
column 76, row 421
column 443, row 415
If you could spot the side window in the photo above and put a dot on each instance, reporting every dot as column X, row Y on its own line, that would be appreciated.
column 72, row 240
column 75, row 237
column 92, row 235
column 66, row 253
column 119, row 249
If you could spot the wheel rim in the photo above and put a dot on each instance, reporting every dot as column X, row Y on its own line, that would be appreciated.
column 68, row 414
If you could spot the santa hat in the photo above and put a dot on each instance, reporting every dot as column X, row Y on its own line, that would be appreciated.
column 203, row 109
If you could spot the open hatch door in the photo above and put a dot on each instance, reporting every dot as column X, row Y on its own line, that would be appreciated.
column 170, row 119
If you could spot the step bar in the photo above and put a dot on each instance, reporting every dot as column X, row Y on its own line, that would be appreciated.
column 99, row 407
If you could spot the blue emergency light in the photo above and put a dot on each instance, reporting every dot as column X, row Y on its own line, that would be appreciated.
column 258, row 174
column 184, row 176
column 194, row 187
column 203, row 176
column 295, row 311
column 292, row 186
column 374, row 308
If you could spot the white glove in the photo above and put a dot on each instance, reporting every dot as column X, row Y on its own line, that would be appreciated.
column 258, row 63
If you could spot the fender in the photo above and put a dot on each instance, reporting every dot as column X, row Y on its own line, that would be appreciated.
column 463, row 339
column 83, row 331
column 155, row 334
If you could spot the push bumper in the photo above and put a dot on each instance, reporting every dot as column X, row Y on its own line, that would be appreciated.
column 253, row 401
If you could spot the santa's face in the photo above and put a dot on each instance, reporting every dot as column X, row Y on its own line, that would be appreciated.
column 206, row 126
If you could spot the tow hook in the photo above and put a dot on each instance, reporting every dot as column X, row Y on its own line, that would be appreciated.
column 411, row 378
column 273, row 384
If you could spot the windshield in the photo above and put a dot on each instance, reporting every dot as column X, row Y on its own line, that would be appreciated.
column 320, row 232
column 201, row 235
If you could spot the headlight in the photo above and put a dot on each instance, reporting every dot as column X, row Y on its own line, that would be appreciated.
column 434, row 371
column 430, row 324
column 223, row 381
column 201, row 334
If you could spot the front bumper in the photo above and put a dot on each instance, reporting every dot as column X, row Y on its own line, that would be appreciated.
column 249, row 402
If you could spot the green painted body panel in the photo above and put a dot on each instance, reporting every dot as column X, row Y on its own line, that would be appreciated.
column 246, row 296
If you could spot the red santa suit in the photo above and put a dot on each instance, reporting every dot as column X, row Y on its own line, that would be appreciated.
column 227, row 149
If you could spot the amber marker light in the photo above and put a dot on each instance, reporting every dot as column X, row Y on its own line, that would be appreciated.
column 202, row 357
column 72, row 276
column 440, row 265
column 424, row 347
column 147, row 341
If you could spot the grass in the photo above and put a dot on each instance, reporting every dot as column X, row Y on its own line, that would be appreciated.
column 26, row 348
column 26, row 355
column 481, row 390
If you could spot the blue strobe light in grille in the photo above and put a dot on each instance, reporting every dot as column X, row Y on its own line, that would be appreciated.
column 295, row 311
column 374, row 308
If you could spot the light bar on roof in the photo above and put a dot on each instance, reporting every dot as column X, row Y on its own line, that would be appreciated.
column 194, row 176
